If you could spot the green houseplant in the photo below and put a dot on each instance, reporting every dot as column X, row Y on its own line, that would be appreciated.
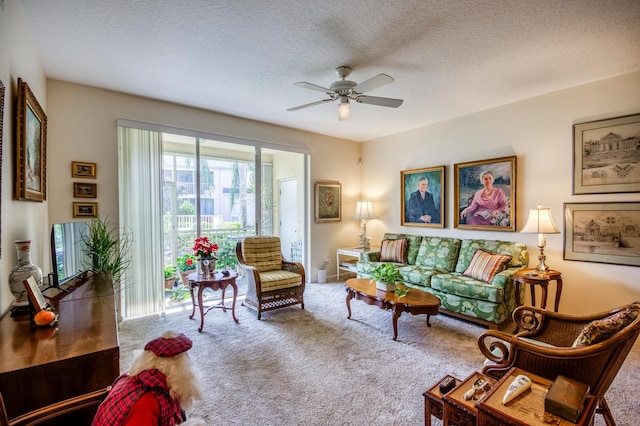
column 386, row 276
column 169, row 276
column 186, row 265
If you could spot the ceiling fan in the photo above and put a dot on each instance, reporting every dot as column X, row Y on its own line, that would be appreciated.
column 345, row 90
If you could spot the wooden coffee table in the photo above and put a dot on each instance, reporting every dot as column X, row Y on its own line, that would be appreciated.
column 415, row 302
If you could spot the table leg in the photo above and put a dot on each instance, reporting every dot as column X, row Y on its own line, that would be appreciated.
column 349, row 297
column 533, row 294
column 200, row 289
column 224, row 308
column 518, row 301
column 193, row 301
column 235, row 296
column 396, row 314
column 558, row 293
column 543, row 302
column 428, row 322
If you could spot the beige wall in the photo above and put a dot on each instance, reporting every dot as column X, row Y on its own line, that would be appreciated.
column 539, row 132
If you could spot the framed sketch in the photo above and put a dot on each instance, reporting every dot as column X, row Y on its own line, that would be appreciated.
column 31, row 147
column 328, row 202
column 85, row 209
column 85, row 190
column 602, row 232
column 422, row 197
column 606, row 154
column 83, row 170
column 485, row 194
column 35, row 295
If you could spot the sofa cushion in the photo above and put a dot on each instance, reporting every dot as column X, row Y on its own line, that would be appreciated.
column 599, row 330
column 413, row 244
column 394, row 251
column 517, row 251
column 276, row 280
column 437, row 252
column 461, row 285
column 263, row 252
column 484, row 265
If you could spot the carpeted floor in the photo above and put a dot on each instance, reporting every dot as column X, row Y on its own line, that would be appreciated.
column 316, row 367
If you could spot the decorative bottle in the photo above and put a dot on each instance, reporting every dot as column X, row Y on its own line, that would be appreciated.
column 23, row 270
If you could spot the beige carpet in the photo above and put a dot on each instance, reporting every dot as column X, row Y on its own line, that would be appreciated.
column 316, row 367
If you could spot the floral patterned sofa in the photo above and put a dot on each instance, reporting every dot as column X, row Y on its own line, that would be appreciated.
column 448, row 268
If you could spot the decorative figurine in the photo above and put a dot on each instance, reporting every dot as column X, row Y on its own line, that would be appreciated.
column 520, row 384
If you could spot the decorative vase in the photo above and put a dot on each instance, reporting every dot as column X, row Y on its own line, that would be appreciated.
column 23, row 270
column 384, row 286
column 207, row 265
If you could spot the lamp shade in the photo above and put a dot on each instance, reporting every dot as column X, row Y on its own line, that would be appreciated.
column 540, row 222
column 364, row 210
column 344, row 109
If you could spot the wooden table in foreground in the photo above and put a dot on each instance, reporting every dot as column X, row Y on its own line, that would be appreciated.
column 415, row 302
column 215, row 282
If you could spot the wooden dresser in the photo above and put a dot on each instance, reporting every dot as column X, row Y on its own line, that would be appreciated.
column 40, row 366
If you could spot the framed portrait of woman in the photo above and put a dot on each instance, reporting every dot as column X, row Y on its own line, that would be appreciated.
column 485, row 194
column 422, row 197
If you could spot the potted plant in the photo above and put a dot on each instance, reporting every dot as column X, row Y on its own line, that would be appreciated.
column 386, row 276
column 169, row 276
column 186, row 266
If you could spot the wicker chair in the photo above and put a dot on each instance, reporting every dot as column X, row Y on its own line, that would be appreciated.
column 55, row 410
column 272, row 281
column 545, row 347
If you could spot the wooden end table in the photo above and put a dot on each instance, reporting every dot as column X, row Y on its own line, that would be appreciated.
column 415, row 302
column 217, row 281
column 433, row 401
column 459, row 411
column 533, row 278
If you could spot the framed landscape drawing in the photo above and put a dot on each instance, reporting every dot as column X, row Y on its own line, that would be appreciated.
column 606, row 156
column 328, row 202
column 85, row 190
column 422, row 197
column 602, row 232
column 83, row 170
column 85, row 209
column 31, row 147
column 485, row 194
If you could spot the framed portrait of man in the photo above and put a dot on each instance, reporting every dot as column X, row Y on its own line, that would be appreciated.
column 422, row 197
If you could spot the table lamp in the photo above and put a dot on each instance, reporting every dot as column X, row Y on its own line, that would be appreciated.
column 364, row 211
column 540, row 222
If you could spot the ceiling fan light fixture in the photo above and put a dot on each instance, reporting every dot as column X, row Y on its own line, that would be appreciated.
column 344, row 109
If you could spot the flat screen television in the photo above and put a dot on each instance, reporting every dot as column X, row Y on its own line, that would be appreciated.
column 68, row 252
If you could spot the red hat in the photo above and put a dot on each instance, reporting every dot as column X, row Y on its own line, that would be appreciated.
column 169, row 345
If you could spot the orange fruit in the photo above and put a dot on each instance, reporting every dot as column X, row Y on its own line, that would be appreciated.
column 44, row 317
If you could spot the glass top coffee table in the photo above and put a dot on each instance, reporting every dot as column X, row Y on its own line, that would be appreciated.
column 415, row 302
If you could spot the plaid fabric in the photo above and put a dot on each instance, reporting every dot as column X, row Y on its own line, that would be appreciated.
column 394, row 251
column 485, row 265
column 164, row 347
column 127, row 390
column 262, row 252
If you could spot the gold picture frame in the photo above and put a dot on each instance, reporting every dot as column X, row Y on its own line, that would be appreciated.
column 414, row 209
column 31, row 147
column 328, row 202
column 85, row 209
column 497, row 209
column 85, row 190
column 83, row 170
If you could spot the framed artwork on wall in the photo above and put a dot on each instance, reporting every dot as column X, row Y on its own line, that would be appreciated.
column 602, row 232
column 85, row 209
column 422, row 197
column 485, row 194
column 606, row 154
column 85, row 190
column 83, row 170
column 328, row 202
column 31, row 147
column 1, row 133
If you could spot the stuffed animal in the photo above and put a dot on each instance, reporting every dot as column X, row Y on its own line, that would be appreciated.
column 160, row 385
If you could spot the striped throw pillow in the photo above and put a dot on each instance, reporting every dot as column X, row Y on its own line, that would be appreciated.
column 394, row 251
column 485, row 265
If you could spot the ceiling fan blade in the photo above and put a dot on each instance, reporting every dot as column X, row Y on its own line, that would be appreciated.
column 375, row 100
column 373, row 83
column 314, row 87
column 310, row 105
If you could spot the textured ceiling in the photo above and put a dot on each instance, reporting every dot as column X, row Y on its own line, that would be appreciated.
column 449, row 58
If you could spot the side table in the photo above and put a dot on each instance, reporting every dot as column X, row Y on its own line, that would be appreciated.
column 459, row 411
column 217, row 281
column 433, row 401
column 533, row 278
column 351, row 256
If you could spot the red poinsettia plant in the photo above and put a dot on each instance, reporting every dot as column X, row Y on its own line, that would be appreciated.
column 205, row 248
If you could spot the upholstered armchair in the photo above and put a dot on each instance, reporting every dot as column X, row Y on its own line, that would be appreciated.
column 587, row 348
column 272, row 281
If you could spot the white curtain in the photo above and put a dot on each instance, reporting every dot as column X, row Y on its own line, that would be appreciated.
column 140, row 189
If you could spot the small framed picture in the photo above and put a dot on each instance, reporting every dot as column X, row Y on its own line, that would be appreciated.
column 328, row 202
column 35, row 295
column 85, row 190
column 85, row 209
column 422, row 197
column 83, row 170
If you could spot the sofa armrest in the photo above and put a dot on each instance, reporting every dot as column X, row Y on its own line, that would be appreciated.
column 502, row 278
column 371, row 256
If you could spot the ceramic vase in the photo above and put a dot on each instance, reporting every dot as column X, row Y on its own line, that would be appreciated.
column 207, row 265
column 23, row 270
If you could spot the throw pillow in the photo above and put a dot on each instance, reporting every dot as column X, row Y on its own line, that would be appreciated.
column 599, row 330
column 485, row 265
column 394, row 251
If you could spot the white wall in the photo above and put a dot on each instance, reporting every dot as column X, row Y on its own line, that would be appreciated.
column 539, row 132
column 20, row 219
